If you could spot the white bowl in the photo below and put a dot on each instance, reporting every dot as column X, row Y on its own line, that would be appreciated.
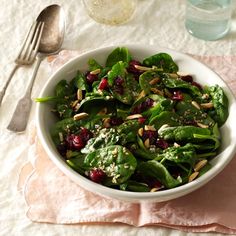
column 203, row 75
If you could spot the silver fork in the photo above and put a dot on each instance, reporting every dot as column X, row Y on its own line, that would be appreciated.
column 27, row 52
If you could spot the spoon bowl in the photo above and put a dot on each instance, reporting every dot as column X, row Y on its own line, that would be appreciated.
column 54, row 29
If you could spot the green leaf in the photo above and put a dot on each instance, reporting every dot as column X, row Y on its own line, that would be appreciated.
column 155, row 169
column 220, row 102
column 144, row 80
column 77, row 164
column 134, row 186
column 47, row 99
column 80, row 81
column 183, row 133
column 118, row 69
column 105, row 137
column 116, row 161
column 182, row 154
column 166, row 117
column 93, row 64
column 174, row 83
column 163, row 61
column 118, row 54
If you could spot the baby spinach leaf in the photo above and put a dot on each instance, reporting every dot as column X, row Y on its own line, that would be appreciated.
column 184, row 133
column 134, row 186
column 220, row 102
column 92, row 105
column 118, row 54
column 93, row 65
column 144, row 153
column 190, row 114
column 77, row 164
column 116, row 161
column 174, row 83
column 182, row 154
column 145, row 78
column 161, row 60
column 166, row 117
column 164, row 104
column 104, row 138
column 80, row 82
column 64, row 127
column 155, row 169
column 119, row 69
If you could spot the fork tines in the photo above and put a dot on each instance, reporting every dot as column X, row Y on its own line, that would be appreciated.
column 31, row 44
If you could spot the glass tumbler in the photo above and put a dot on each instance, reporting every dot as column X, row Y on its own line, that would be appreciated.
column 110, row 12
column 208, row 19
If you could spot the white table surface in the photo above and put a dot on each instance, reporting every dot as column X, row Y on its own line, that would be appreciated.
column 155, row 22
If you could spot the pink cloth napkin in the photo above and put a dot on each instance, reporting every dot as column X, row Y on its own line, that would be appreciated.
column 52, row 197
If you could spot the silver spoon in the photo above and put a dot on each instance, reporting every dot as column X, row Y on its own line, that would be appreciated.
column 50, row 43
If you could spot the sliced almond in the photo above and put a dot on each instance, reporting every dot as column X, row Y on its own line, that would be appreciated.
column 143, row 68
column 195, row 104
column 95, row 72
column 154, row 81
column 106, row 123
column 199, row 165
column 157, row 91
column 154, row 190
column 202, row 125
column 147, row 143
column 141, row 95
column 176, row 145
column 149, row 127
column 74, row 103
column 173, row 75
column 207, row 105
column 103, row 111
column 205, row 96
column 80, row 94
column 80, row 116
column 140, row 132
column 193, row 176
column 182, row 73
column 134, row 116
column 61, row 137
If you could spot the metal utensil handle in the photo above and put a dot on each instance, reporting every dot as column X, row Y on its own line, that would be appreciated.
column 2, row 93
column 21, row 114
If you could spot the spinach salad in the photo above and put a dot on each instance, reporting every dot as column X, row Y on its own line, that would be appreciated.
column 137, row 126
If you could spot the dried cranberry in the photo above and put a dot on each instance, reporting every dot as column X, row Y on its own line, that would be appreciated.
column 85, row 134
column 141, row 120
column 132, row 68
column 78, row 142
column 143, row 106
column 177, row 96
column 97, row 175
column 154, row 183
column 197, row 85
column 151, row 135
column 62, row 148
column 103, row 84
column 69, row 141
column 90, row 78
column 187, row 78
column 148, row 103
column 162, row 143
column 119, row 81
column 116, row 121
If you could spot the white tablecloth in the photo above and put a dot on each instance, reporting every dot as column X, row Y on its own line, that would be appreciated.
column 155, row 22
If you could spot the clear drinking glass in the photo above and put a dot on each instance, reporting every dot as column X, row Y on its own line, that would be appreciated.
column 110, row 11
column 208, row 19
